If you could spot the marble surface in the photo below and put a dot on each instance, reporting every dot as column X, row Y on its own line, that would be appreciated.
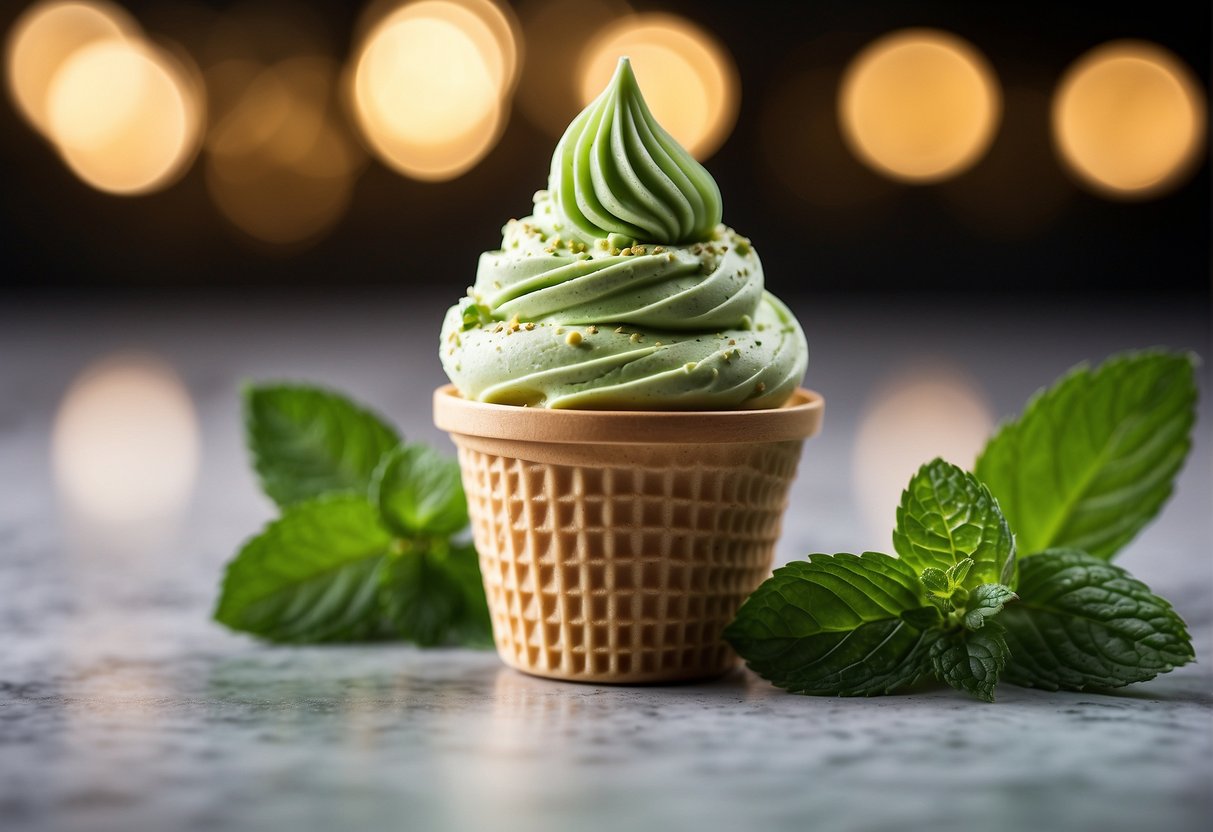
column 122, row 707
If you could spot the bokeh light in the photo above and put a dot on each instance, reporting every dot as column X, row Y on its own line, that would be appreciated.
column 1129, row 119
column 125, row 443
column 919, row 105
column 45, row 36
column 429, row 87
column 124, row 116
column 503, row 45
column 490, row 24
column 926, row 410
column 688, row 78
column 281, row 165
column 549, row 93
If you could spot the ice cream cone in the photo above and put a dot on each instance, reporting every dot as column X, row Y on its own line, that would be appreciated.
column 615, row 546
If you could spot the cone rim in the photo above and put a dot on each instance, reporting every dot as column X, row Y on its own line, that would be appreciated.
column 797, row 419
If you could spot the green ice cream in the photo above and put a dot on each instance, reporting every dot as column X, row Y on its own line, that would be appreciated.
column 622, row 290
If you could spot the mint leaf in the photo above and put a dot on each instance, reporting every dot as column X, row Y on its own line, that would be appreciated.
column 986, row 601
column 475, row 627
column 971, row 660
column 421, row 601
column 310, row 576
column 832, row 625
column 1086, row 623
column 306, row 442
column 434, row 596
column 957, row 574
column 923, row 618
column 945, row 516
column 419, row 491
column 935, row 580
column 1093, row 458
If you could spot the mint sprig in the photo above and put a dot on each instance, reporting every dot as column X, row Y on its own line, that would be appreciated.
column 369, row 544
column 847, row 626
column 1090, row 462
column 1094, row 457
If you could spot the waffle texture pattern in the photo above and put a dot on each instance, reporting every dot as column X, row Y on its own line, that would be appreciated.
column 625, row 569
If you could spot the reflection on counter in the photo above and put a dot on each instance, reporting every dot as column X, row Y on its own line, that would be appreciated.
column 125, row 449
column 925, row 410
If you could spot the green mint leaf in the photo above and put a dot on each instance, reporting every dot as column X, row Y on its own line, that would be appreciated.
column 1010, row 569
column 421, row 601
column 1082, row 622
column 310, row 576
column 419, row 491
column 1094, row 457
column 935, row 580
column 832, row 625
column 957, row 574
column 475, row 627
column 945, row 516
column 432, row 596
column 942, row 603
column 971, row 660
column 986, row 601
column 306, row 442
column 923, row 618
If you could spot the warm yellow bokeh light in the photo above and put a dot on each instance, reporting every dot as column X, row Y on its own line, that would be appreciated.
column 925, row 411
column 919, row 105
column 281, row 165
column 687, row 77
column 427, row 89
column 124, row 117
column 491, row 25
column 125, row 443
column 43, row 39
column 1129, row 119
column 497, row 35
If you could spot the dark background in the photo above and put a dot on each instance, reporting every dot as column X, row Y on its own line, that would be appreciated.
column 1014, row 223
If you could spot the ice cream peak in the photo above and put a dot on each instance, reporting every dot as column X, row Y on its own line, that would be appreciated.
column 622, row 290
column 617, row 171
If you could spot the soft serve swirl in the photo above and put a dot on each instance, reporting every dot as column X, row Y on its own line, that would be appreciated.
column 616, row 170
column 622, row 290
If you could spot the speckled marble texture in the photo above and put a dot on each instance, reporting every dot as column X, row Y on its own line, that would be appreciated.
column 123, row 708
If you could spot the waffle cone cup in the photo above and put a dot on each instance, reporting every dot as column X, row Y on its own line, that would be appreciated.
column 615, row 546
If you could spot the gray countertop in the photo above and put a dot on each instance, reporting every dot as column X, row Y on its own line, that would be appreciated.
column 123, row 707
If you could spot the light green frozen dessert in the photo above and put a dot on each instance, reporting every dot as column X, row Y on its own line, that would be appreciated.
column 623, row 291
